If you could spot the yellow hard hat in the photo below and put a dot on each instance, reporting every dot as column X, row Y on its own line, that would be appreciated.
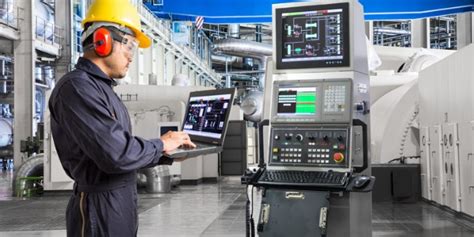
column 121, row 12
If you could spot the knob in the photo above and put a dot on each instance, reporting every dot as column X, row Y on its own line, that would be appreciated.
column 340, row 138
column 288, row 136
column 326, row 138
column 311, row 137
column 277, row 137
column 338, row 157
column 299, row 137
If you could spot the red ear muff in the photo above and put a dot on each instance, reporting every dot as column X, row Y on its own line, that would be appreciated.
column 103, row 42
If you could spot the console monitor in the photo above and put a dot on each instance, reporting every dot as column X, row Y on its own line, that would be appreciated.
column 297, row 101
column 312, row 101
column 314, row 36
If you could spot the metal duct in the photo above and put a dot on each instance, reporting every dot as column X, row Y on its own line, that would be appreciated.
column 252, row 106
column 158, row 179
column 222, row 59
column 33, row 166
column 234, row 31
column 243, row 48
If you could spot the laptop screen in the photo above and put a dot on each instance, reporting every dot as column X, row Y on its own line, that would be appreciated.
column 207, row 114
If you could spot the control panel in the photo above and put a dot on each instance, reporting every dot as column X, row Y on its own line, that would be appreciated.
column 310, row 146
column 317, row 101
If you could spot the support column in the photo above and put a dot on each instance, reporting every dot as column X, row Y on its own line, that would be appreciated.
column 24, row 80
column 160, row 65
column 64, row 19
column 464, row 28
column 133, row 71
column 418, row 34
column 178, row 66
column 185, row 69
column 192, row 78
column 170, row 68
column 141, row 67
column 154, row 62
column 147, row 63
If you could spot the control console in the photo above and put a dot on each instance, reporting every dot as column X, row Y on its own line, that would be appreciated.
column 309, row 146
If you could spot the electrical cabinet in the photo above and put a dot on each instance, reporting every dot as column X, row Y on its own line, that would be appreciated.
column 451, row 165
column 436, row 160
column 425, row 163
column 466, row 166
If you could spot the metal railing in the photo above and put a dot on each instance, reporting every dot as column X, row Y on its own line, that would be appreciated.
column 9, row 14
column 162, row 28
column 48, row 32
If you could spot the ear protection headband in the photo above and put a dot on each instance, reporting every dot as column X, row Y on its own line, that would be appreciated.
column 103, row 36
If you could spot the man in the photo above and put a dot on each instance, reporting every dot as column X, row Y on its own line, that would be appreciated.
column 91, row 126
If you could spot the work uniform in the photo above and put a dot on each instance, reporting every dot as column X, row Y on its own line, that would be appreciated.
column 92, row 133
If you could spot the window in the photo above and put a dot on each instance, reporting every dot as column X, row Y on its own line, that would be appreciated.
column 392, row 33
column 443, row 32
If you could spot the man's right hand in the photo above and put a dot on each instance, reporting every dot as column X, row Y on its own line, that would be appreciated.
column 173, row 140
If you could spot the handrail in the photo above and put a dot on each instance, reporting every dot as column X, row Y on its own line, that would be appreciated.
column 164, row 33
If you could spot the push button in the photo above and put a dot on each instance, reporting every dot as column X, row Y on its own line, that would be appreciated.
column 338, row 157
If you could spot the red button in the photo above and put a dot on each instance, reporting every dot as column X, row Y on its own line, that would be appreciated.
column 338, row 157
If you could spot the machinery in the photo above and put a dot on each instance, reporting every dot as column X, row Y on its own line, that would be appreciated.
column 315, row 176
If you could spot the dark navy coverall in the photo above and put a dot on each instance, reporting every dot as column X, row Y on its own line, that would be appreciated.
column 92, row 134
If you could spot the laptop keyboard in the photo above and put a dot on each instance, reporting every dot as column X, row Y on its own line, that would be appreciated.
column 306, row 178
column 198, row 146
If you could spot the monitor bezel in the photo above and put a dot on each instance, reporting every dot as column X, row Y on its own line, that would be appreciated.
column 225, row 91
column 310, row 66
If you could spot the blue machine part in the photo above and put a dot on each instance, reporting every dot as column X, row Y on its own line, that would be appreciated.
column 251, row 11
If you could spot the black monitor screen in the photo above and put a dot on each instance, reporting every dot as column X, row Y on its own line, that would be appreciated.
column 313, row 36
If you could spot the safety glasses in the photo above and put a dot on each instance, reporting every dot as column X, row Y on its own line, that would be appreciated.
column 129, row 46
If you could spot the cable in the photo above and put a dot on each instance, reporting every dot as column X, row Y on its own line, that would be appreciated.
column 249, row 221
column 403, row 159
column 252, row 222
column 247, row 212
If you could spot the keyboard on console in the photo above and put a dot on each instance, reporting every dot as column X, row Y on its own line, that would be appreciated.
column 304, row 178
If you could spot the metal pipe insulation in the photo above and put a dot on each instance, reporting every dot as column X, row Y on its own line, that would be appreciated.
column 243, row 48
column 223, row 59
column 234, row 31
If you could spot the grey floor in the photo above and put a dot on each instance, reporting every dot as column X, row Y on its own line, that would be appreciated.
column 210, row 210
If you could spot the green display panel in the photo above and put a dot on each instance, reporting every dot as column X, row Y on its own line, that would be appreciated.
column 306, row 103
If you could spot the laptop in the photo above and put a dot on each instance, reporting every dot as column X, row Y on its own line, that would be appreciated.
column 205, row 120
